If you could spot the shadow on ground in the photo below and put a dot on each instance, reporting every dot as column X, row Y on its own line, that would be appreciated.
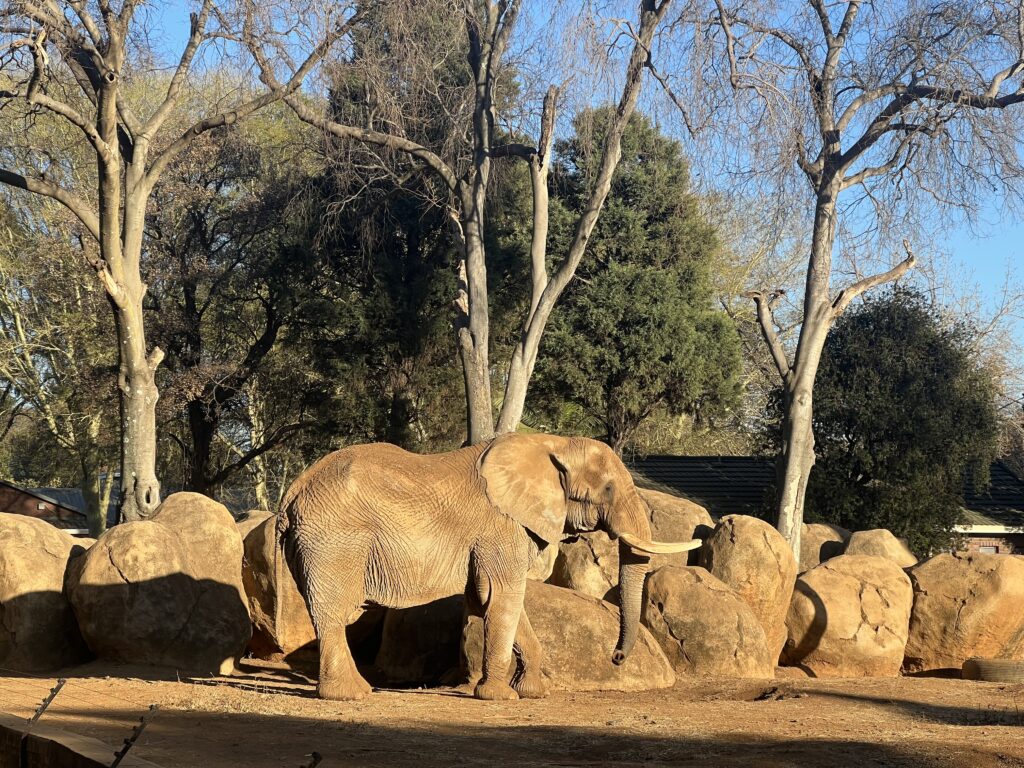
column 965, row 715
column 213, row 740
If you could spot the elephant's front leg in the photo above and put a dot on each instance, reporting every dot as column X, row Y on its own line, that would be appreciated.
column 527, row 680
column 501, row 618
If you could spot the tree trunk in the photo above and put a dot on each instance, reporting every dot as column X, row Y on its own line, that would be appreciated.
column 795, row 464
column 797, row 457
column 202, row 429
column 259, row 473
column 140, row 489
column 95, row 510
column 472, row 330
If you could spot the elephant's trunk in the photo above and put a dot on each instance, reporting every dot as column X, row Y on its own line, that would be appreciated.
column 632, row 574
column 631, row 526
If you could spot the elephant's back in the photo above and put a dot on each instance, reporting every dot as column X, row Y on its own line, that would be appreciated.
column 376, row 479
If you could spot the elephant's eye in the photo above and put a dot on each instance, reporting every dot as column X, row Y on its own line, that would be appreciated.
column 609, row 492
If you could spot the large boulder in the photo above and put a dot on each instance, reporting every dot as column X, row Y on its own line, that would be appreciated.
column 37, row 626
column 578, row 634
column 849, row 618
column 755, row 560
column 820, row 542
column 165, row 591
column 280, row 619
column 881, row 543
column 251, row 519
column 674, row 518
column 965, row 604
column 589, row 563
column 704, row 627
column 420, row 645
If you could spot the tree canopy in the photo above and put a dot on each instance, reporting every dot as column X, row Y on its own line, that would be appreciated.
column 904, row 410
column 639, row 332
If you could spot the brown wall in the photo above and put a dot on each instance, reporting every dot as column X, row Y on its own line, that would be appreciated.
column 19, row 502
column 1010, row 544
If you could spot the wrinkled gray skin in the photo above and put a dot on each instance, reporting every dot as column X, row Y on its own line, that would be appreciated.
column 374, row 524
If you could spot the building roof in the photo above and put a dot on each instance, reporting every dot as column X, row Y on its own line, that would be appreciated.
column 724, row 485
column 69, row 498
column 729, row 485
column 43, row 494
column 1002, row 503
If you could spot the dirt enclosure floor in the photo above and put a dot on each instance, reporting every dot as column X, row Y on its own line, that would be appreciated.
column 270, row 717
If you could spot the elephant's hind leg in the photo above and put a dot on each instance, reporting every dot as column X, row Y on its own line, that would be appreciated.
column 527, row 680
column 339, row 678
column 332, row 612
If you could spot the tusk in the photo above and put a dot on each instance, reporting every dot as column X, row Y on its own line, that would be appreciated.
column 659, row 547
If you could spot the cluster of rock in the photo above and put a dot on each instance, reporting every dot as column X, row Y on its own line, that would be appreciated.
column 865, row 606
column 193, row 589
column 165, row 591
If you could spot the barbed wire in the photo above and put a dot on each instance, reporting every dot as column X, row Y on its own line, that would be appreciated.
column 73, row 683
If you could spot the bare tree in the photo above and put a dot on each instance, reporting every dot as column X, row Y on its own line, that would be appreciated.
column 489, row 27
column 904, row 107
column 53, row 359
column 71, row 61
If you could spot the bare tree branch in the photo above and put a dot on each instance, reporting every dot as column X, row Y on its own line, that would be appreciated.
column 276, row 92
column 848, row 294
column 42, row 187
column 766, row 322
column 197, row 31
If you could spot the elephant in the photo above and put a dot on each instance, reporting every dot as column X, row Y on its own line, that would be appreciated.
column 377, row 525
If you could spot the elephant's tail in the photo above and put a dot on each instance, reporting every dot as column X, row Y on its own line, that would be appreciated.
column 285, row 528
column 287, row 546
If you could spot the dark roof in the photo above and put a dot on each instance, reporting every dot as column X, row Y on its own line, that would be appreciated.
column 724, row 485
column 43, row 495
column 727, row 485
column 1002, row 503
column 69, row 498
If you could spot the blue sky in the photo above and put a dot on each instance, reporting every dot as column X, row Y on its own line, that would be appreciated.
column 980, row 256
column 993, row 246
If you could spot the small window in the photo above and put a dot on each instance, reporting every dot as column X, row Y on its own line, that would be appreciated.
column 989, row 550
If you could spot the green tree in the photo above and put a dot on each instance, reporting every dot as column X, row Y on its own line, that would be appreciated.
column 56, row 369
column 377, row 323
column 903, row 411
column 638, row 335
column 226, row 262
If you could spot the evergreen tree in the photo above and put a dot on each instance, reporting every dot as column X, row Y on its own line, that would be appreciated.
column 638, row 334
column 903, row 411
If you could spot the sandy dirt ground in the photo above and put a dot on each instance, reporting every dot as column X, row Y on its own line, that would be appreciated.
column 271, row 717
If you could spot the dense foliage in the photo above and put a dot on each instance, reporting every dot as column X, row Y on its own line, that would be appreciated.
column 902, row 412
column 638, row 336
column 298, row 287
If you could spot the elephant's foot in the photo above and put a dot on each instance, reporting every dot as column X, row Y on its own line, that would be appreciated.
column 495, row 690
column 530, row 686
column 344, row 690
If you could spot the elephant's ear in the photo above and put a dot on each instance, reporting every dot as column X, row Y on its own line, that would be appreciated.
column 525, row 480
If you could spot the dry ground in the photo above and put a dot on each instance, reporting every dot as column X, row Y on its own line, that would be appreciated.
column 270, row 717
